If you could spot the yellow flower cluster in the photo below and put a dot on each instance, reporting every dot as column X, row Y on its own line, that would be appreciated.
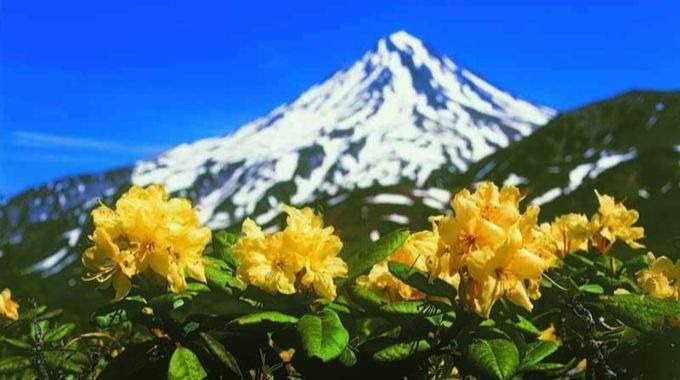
column 146, row 230
column 661, row 279
column 613, row 221
column 9, row 309
column 302, row 256
column 495, row 250
column 570, row 233
column 417, row 251
column 495, row 247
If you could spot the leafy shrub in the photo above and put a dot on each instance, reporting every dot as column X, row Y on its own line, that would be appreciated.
column 488, row 292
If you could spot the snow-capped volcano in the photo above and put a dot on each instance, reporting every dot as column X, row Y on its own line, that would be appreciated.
column 398, row 113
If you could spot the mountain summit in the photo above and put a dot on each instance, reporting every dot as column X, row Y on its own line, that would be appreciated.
column 400, row 113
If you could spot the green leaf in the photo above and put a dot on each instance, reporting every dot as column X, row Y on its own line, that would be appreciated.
column 421, row 280
column 536, row 352
column 323, row 335
column 366, row 297
column 415, row 308
column 223, row 242
column 361, row 259
column 170, row 301
column 117, row 313
column 526, row 326
column 543, row 367
column 495, row 358
column 39, row 328
column 637, row 262
column 220, row 276
column 14, row 364
column 348, row 358
column 16, row 343
column 32, row 313
column 401, row 350
column 265, row 316
column 341, row 308
column 184, row 365
column 591, row 288
column 72, row 361
column 221, row 353
column 50, row 314
column 60, row 332
column 644, row 313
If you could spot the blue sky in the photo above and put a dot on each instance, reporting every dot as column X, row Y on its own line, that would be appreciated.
column 91, row 85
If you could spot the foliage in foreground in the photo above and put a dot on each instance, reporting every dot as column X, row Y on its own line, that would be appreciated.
column 488, row 292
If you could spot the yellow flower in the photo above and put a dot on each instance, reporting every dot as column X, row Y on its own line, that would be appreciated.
column 416, row 251
column 571, row 232
column 498, row 206
column 302, row 256
column 511, row 271
column 614, row 221
column 549, row 335
column 498, row 251
column 9, row 309
column 264, row 262
column 566, row 234
column 467, row 230
column 661, row 279
column 146, row 230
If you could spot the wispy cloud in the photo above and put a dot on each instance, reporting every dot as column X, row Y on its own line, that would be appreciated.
column 47, row 140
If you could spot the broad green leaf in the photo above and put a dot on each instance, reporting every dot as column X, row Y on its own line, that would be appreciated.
column 220, row 276
column 14, row 364
column 526, row 326
column 323, row 335
column 184, row 365
column 495, row 358
column 591, row 288
column 221, row 353
column 223, row 242
column 60, row 332
column 421, row 280
column 644, row 313
column 265, row 316
column 361, row 259
column 366, row 297
column 416, row 308
column 400, row 351
column 536, row 352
